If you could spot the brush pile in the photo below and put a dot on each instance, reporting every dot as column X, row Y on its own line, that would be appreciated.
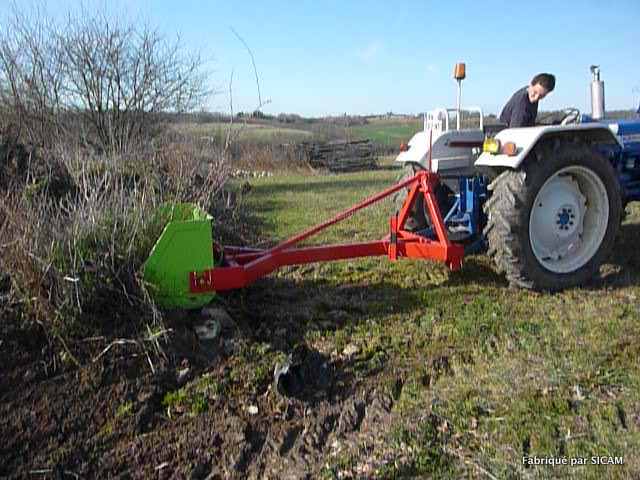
column 340, row 156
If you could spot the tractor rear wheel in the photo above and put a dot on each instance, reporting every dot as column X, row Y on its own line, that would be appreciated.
column 551, row 224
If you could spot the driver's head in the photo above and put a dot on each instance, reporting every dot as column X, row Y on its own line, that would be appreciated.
column 540, row 86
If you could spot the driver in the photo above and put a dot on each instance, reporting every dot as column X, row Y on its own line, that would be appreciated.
column 522, row 108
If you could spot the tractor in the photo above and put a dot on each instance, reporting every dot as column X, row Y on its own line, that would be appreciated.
column 545, row 202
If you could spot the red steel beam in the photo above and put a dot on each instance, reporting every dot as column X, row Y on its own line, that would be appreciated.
column 245, row 265
column 342, row 215
column 238, row 276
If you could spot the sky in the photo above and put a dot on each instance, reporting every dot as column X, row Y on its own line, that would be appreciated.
column 319, row 58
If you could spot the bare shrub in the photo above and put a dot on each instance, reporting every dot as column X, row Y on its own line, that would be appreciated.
column 271, row 157
column 76, row 262
column 193, row 170
column 84, row 100
column 93, row 79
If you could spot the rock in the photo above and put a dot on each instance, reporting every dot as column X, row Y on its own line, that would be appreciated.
column 208, row 330
column 218, row 314
column 182, row 376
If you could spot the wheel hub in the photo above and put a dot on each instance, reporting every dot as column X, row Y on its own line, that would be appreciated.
column 557, row 218
column 568, row 219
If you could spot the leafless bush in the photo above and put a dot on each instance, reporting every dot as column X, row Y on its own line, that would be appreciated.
column 269, row 157
column 192, row 170
column 80, row 257
column 83, row 169
column 92, row 79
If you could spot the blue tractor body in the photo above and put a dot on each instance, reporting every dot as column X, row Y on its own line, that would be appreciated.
column 464, row 215
column 626, row 157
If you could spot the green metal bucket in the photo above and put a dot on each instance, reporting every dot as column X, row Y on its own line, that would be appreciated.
column 184, row 246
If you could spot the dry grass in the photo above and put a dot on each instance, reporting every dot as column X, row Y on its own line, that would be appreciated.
column 75, row 261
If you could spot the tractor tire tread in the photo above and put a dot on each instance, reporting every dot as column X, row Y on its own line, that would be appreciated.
column 506, row 229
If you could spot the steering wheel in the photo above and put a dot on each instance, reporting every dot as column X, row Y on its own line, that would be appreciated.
column 571, row 116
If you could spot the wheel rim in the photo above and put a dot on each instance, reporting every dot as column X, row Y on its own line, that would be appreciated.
column 569, row 219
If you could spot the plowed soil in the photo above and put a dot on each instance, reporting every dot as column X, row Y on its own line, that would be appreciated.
column 108, row 417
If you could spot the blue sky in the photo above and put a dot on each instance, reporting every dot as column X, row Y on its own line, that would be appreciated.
column 330, row 57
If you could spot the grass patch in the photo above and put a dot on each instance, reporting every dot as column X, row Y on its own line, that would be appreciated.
column 390, row 133
column 250, row 132
column 124, row 409
column 196, row 397
column 482, row 374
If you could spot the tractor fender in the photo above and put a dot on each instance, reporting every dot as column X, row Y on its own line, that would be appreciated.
column 451, row 150
column 418, row 149
column 527, row 138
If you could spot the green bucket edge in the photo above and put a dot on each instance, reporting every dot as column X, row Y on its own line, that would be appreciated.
column 185, row 245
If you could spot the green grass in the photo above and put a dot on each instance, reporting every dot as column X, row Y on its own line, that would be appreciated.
column 194, row 398
column 124, row 409
column 391, row 133
column 482, row 374
column 288, row 204
column 250, row 132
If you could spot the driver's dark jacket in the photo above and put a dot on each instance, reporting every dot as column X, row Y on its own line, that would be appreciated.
column 519, row 111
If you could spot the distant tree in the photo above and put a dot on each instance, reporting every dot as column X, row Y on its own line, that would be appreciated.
column 289, row 118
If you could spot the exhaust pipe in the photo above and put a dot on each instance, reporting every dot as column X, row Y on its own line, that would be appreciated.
column 597, row 94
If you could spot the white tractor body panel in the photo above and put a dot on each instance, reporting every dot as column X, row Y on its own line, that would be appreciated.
column 450, row 150
column 526, row 138
column 418, row 149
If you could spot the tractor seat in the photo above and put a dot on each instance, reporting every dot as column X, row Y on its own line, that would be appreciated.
column 491, row 130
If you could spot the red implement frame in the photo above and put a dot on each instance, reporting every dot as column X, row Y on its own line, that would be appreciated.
column 245, row 265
